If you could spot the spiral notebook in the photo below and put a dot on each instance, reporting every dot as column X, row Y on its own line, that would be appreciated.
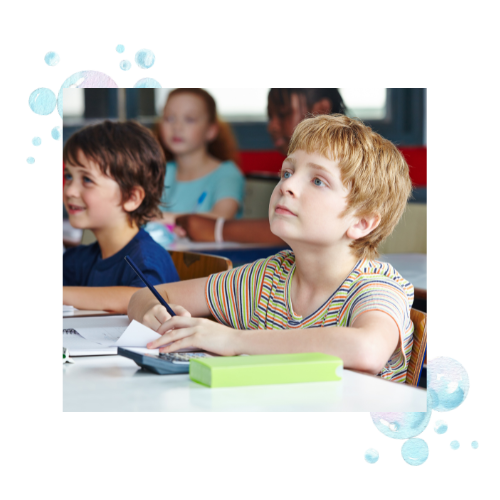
column 93, row 336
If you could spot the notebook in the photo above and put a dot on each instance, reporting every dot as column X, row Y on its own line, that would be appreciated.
column 92, row 336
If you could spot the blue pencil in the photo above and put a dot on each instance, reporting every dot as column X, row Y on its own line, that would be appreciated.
column 152, row 288
column 201, row 199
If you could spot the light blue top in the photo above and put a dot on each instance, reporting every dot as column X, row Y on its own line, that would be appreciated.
column 226, row 181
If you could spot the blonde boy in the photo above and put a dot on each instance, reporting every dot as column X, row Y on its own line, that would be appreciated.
column 343, row 188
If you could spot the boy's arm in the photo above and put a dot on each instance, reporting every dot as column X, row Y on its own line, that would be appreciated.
column 189, row 294
column 105, row 298
column 367, row 345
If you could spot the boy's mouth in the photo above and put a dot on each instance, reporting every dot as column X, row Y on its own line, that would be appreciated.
column 75, row 209
column 280, row 209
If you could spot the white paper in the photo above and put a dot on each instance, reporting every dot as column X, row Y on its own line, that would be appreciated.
column 136, row 335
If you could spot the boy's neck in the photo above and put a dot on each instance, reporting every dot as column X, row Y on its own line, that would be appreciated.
column 194, row 165
column 112, row 240
column 318, row 273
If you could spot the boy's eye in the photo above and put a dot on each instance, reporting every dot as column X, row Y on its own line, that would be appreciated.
column 67, row 176
column 87, row 180
column 318, row 182
column 286, row 174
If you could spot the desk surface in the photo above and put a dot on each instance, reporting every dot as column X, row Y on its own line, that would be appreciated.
column 412, row 266
column 115, row 383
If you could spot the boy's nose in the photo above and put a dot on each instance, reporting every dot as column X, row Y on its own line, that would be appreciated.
column 289, row 186
column 71, row 190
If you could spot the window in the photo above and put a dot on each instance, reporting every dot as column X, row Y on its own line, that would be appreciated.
column 365, row 104
column 73, row 103
column 233, row 105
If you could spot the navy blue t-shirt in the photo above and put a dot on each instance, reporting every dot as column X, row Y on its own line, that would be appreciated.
column 84, row 266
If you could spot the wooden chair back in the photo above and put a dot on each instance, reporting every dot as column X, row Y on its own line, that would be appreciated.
column 419, row 348
column 192, row 265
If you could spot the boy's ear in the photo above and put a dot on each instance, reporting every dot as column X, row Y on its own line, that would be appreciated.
column 135, row 199
column 322, row 107
column 363, row 226
column 212, row 132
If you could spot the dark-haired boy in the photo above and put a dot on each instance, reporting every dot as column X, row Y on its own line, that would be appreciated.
column 114, row 175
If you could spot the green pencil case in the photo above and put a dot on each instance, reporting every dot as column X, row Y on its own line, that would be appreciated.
column 234, row 371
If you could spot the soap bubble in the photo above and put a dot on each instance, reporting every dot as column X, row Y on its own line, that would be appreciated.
column 371, row 455
column 447, row 383
column 474, row 444
column 160, row 233
column 85, row 80
column 42, row 101
column 455, row 445
column 51, row 58
column 89, row 79
column 415, row 451
column 147, row 83
column 36, row 141
column 31, row 160
column 56, row 133
column 440, row 427
column 125, row 65
column 120, row 48
column 402, row 425
column 144, row 58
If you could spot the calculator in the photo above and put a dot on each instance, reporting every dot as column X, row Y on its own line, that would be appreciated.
column 163, row 363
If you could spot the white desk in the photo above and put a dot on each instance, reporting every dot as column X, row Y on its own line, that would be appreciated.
column 80, row 313
column 186, row 245
column 115, row 383
column 71, row 234
column 413, row 267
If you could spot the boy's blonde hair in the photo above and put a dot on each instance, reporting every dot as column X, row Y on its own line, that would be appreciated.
column 372, row 168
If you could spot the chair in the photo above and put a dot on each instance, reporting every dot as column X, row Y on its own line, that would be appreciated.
column 419, row 348
column 192, row 265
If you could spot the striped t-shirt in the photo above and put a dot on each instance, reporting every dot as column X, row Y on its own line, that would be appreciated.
column 257, row 296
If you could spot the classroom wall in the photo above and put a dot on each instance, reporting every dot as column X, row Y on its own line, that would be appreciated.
column 410, row 235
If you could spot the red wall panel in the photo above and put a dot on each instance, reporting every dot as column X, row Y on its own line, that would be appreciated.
column 270, row 162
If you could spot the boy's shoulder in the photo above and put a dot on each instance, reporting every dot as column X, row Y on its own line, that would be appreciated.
column 150, row 255
column 375, row 271
column 143, row 244
column 82, row 252
column 280, row 263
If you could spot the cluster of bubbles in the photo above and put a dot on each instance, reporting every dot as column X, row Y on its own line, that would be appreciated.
column 448, row 386
column 43, row 101
column 143, row 59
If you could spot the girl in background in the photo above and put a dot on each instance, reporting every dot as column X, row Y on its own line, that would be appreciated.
column 286, row 108
column 201, row 151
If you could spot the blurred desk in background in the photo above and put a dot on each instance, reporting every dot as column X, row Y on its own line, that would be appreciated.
column 413, row 267
column 72, row 237
column 238, row 253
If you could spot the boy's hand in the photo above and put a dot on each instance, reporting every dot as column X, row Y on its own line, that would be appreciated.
column 183, row 332
column 158, row 315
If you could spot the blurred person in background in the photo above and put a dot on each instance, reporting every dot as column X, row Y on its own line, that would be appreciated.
column 202, row 175
column 286, row 109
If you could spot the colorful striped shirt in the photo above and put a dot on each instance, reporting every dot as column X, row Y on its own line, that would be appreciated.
column 257, row 296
